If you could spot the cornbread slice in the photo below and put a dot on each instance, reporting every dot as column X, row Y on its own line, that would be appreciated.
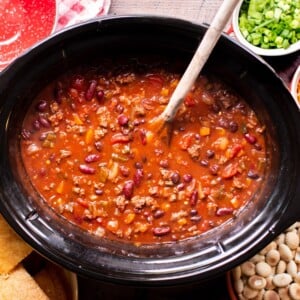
column 12, row 248
column 19, row 285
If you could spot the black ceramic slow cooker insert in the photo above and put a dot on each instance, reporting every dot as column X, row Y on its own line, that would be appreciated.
column 218, row 250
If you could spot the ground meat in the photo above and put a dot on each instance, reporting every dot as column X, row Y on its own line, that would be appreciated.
column 194, row 151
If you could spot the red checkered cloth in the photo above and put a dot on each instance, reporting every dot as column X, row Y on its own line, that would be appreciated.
column 71, row 12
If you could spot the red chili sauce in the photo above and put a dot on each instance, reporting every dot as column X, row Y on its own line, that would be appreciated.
column 91, row 153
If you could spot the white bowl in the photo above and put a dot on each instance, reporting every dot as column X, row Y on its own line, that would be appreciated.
column 260, row 51
column 294, row 86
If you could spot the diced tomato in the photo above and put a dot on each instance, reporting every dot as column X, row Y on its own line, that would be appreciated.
column 229, row 171
column 186, row 141
column 189, row 100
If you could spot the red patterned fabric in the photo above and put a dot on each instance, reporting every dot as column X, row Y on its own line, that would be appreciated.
column 71, row 12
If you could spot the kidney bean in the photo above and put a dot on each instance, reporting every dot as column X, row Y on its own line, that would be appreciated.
column 138, row 165
column 175, row 177
column 123, row 120
column 187, row 178
column 164, row 163
column 120, row 138
column 180, row 186
column 92, row 158
column 194, row 198
column 100, row 95
column 196, row 219
column 44, row 122
column 138, row 176
column 79, row 83
column 214, row 169
column 224, row 211
column 98, row 145
column 143, row 136
column 41, row 106
column 58, row 92
column 161, row 231
column 204, row 163
column 215, row 107
column 25, row 133
column 223, row 122
column 252, row 174
column 43, row 136
column 193, row 212
column 36, row 125
column 158, row 213
column 233, row 126
column 99, row 192
column 119, row 108
column 128, row 188
column 257, row 146
column 87, row 169
column 251, row 139
column 90, row 93
column 210, row 153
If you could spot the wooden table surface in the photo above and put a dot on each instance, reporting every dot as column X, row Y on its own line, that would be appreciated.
column 201, row 11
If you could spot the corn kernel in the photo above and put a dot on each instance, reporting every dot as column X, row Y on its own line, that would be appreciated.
column 149, row 136
column 182, row 221
column 89, row 136
column 164, row 91
column 204, row 131
column 221, row 131
column 60, row 187
column 129, row 218
column 174, row 83
column 77, row 120
column 234, row 202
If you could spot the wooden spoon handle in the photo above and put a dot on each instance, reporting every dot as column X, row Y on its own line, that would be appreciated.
column 199, row 59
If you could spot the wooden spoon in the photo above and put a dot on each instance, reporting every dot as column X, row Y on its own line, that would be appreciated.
column 194, row 68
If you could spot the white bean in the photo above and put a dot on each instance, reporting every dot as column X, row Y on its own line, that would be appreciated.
column 257, row 258
column 282, row 280
column 292, row 240
column 272, row 257
column 291, row 268
column 248, row 268
column 249, row 293
column 271, row 295
column 236, row 273
column 280, row 239
column 281, row 267
column 294, row 290
column 270, row 285
column 269, row 247
column 263, row 269
column 257, row 282
column 260, row 295
column 238, row 286
column 297, row 256
column 284, row 293
column 285, row 252
column 297, row 278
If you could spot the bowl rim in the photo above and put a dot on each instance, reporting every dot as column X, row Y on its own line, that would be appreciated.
column 294, row 85
column 260, row 51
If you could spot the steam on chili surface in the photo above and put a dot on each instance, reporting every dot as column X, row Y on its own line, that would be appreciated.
column 89, row 151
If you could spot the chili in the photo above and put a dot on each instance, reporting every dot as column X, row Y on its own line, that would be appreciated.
column 90, row 152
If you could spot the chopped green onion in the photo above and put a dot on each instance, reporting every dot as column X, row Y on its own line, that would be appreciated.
column 270, row 23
